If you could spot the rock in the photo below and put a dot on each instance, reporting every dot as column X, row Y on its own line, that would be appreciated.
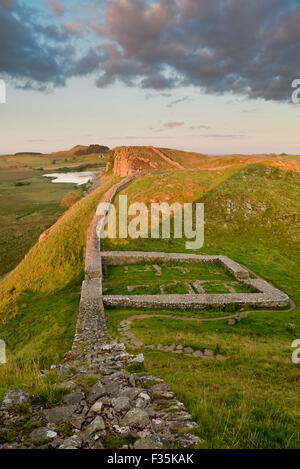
column 131, row 393
column 145, row 443
column 96, row 426
column 74, row 442
column 188, row 350
column 70, row 385
column 121, row 404
column 157, row 425
column 188, row 440
column 198, row 353
column 64, row 370
column 145, row 396
column 97, row 407
column 112, row 389
column 40, row 433
column 140, row 404
column 57, row 414
column 143, row 400
column 96, row 391
column 208, row 353
column 98, row 445
column 136, row 418
column 164, row 395
column 76, row 421
column 138, row 359
column 124, row 431
column 73, row 398
column 291, row 327
column 12, row 398
column 132, row 380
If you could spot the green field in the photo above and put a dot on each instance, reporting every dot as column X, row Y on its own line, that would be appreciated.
column 28, row 206
column 148, row 279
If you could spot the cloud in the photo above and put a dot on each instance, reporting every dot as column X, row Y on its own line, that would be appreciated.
column 225, row 136
column 171, row 125
column 58, row 8
column 249, row 49
column 23, row 56
column 178, row 101
column 219, row 46
column 200, row 127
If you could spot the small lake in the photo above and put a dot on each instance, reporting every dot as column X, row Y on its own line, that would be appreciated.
column 78, row 178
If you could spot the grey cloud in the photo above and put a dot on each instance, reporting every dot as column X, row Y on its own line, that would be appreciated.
column 22, row 55
column 178, row 101
column 246, row 48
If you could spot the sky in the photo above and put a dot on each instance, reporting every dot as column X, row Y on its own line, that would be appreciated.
column 208, row 76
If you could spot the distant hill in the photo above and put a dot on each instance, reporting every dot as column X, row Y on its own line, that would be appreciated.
column 28, row 153
column 91, row 150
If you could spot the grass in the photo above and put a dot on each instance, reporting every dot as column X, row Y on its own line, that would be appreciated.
column 39, row 300
column 143, row 279
column 251, row 400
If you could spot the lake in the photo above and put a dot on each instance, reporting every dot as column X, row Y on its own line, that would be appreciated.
column 78, row 178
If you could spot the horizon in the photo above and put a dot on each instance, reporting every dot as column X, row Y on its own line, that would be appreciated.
column 171, row 74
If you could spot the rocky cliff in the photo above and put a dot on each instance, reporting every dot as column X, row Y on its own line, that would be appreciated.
column 124, row 161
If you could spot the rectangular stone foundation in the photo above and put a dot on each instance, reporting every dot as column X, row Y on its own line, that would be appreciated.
column 268, row 296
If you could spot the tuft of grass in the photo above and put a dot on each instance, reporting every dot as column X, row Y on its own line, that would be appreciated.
column 111, row 442
column 64, row 429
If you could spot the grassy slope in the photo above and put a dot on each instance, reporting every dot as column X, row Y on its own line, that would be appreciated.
column 251, row 400
column 39, row 299
column 174, row 186
column 49, row 162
